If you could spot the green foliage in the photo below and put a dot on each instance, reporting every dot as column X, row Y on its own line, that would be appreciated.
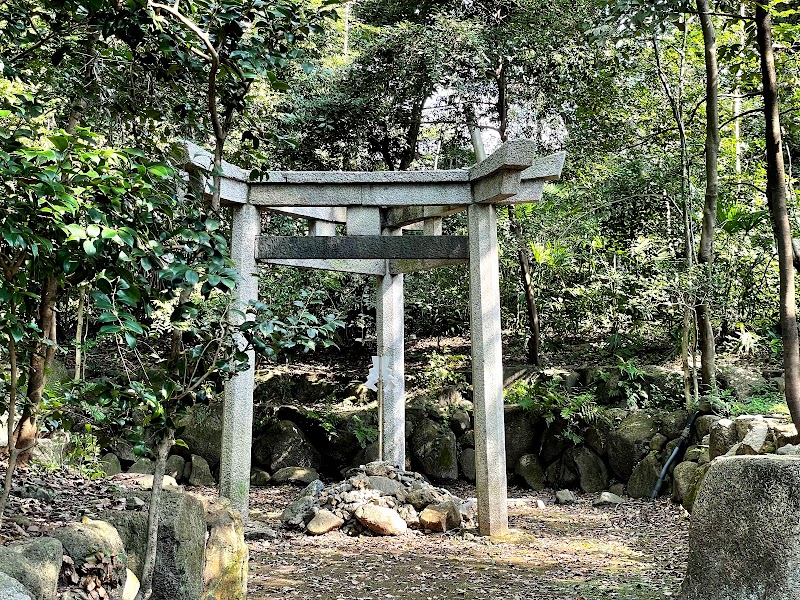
column 627, row 383
column 547, row 400
column 443, row 370
column 365, row 434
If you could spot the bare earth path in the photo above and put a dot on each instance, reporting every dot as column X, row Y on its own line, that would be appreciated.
column 635, row 551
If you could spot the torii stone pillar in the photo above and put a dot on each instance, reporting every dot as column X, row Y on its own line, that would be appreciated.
column 237, row 420
column 389, row 313
column 487, row 369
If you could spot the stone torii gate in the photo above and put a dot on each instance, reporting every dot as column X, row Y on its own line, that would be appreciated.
column 375, row 208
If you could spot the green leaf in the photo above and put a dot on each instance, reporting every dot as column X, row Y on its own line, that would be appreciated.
column 88, row 248
column 191, row 276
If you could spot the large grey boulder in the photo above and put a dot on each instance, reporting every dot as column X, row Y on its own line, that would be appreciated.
column 744, row 542
column 644, row 477
column 11, row 589
column 592, row 471
column 742, row 382
column 89, row 537
column 530, row 470
column 434, row 448
column 466, row 460
column 630, row 442
column 520, row 432
column 722, row 437
column 285, row 445
column 35, row 563
column 201, row 429
column 673, row 423
column 181, row 545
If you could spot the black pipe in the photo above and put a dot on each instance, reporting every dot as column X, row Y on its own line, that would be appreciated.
column 682, row 442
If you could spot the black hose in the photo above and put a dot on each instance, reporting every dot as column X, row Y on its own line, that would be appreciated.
column 682, row 442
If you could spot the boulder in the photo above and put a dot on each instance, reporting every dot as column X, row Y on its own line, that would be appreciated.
column 460, row 422
column 441, row 517
column 785, row 433
column 181, row 545
column 644, row 477
column 690, row 495
column 757, row 439
column 323, row 522
column 789, row 450
column 175, row 466
column 565, row 497
column 592, row 471
column 744, row 423
column 520, row 431
column 201, row 429
column 259, row 478
column 466, row 460
column 11, row 589
column 201, row 472
column 722, row 437
column 658, row 442
column 742, row 382
column 380, row 519
column 421, row 497
column 467, row 440
column 673, row 423
column 563, row 472
column 434, row 447
column 530, row 470
column 226, row 554
column 52, row 450
column 285, row 445
column 608, row 499
column 296, row 475
column 682, row 479
column 702, row 426
column 630, row 442
column 35, row 563
column 144, row 466
column 110, row 464
column 89, row 537
column 744, row 542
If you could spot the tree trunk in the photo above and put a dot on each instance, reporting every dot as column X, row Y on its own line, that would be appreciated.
column 12, row 415
column 534, row 341
column 149, row 562
column 79, row 333
column 705, row 257
column 776, row 201
column 41, row 360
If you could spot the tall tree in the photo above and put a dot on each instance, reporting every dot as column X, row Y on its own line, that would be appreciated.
column 776, row 201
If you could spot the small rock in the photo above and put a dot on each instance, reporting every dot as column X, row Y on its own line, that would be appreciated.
column 540, row 504
column 259, row 478
column 256, row 530
column 323, row 522
column 298, row 512
column 11, row 589
column 608, row 499
column 297, row 475
column 565, row 497
column 379, row 468
column 441, row 517
column 658, row 442
column 386, row 486
column 789, row 450
column 422, row 497
column 755, row 441
column 313, row 489
column 618, row 489
column 381, row 520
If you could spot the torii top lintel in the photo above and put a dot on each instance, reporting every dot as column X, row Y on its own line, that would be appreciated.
column 512, row 174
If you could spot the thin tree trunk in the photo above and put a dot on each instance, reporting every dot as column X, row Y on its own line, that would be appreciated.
column 149, row 562
column 534, row 341
column 705, row 257
column 776, row 201
column 12, row 415
column 41, row 360
column 79, row 333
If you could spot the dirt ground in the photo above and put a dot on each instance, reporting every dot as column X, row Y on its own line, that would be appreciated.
column 634, row 551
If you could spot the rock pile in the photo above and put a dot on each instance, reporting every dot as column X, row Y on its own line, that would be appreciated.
column 377, row 499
